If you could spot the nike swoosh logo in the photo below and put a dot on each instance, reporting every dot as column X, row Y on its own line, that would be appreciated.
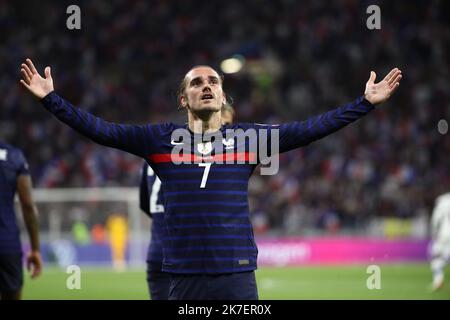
column 176, row 143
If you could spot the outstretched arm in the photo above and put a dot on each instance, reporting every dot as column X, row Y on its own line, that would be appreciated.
column 130, row 138
column 297, row 134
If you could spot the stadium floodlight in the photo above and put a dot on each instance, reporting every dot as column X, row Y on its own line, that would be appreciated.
column 232, row 65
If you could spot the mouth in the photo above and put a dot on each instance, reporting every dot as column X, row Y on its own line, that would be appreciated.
column 207, row 96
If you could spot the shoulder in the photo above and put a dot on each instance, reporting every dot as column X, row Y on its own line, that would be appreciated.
column 11, row 151
column 8, row 147
column 14, row 157
column 443, row 199
column 162, row 129
column 144, row 168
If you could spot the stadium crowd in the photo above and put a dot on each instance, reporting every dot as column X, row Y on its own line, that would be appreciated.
column 126, row 62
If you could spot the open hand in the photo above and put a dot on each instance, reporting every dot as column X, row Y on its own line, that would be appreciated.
column 33, row 81
column 379, row 92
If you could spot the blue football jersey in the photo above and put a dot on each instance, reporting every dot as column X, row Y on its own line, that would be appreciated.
column 206, row 213
column 150, row 201
column 12, row 165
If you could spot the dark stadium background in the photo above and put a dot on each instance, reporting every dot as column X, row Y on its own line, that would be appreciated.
column 377, row 178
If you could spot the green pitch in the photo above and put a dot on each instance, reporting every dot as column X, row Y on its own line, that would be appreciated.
column 410, row 281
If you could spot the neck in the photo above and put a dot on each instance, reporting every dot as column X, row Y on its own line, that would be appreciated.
column 207, row 124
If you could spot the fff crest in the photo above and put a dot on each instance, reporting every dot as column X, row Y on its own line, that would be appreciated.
column 204, row 147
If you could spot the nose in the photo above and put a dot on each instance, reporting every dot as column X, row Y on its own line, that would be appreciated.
column 206, row 88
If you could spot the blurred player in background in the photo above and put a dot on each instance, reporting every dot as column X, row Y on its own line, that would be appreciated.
column 227, row 114
column 15, row 177
column 440, row 235
column 117, row 227
column 210, row 251
column 151, row 203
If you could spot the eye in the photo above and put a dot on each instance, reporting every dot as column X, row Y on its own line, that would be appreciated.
column 196, row 82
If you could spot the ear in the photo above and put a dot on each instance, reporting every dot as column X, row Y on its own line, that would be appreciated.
column 183, row 101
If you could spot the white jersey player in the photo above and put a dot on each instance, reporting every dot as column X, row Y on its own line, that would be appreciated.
column 440, row 233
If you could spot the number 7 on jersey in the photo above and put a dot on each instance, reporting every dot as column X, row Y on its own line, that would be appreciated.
column 205, row 173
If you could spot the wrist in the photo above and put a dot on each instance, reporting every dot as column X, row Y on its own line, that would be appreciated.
column 46, row 95
column 368, row 100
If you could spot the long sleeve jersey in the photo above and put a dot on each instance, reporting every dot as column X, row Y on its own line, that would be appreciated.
column 206, row 213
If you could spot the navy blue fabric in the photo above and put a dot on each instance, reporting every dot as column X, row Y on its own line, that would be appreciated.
column 151, row 203
column 158, row 284
column 234, row 286
column 150, row 195
column 11, row 273
column 208, row 229
column 12, row 165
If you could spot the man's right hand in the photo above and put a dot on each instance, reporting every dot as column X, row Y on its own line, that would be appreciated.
column 33, row 81
column 34, row 263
